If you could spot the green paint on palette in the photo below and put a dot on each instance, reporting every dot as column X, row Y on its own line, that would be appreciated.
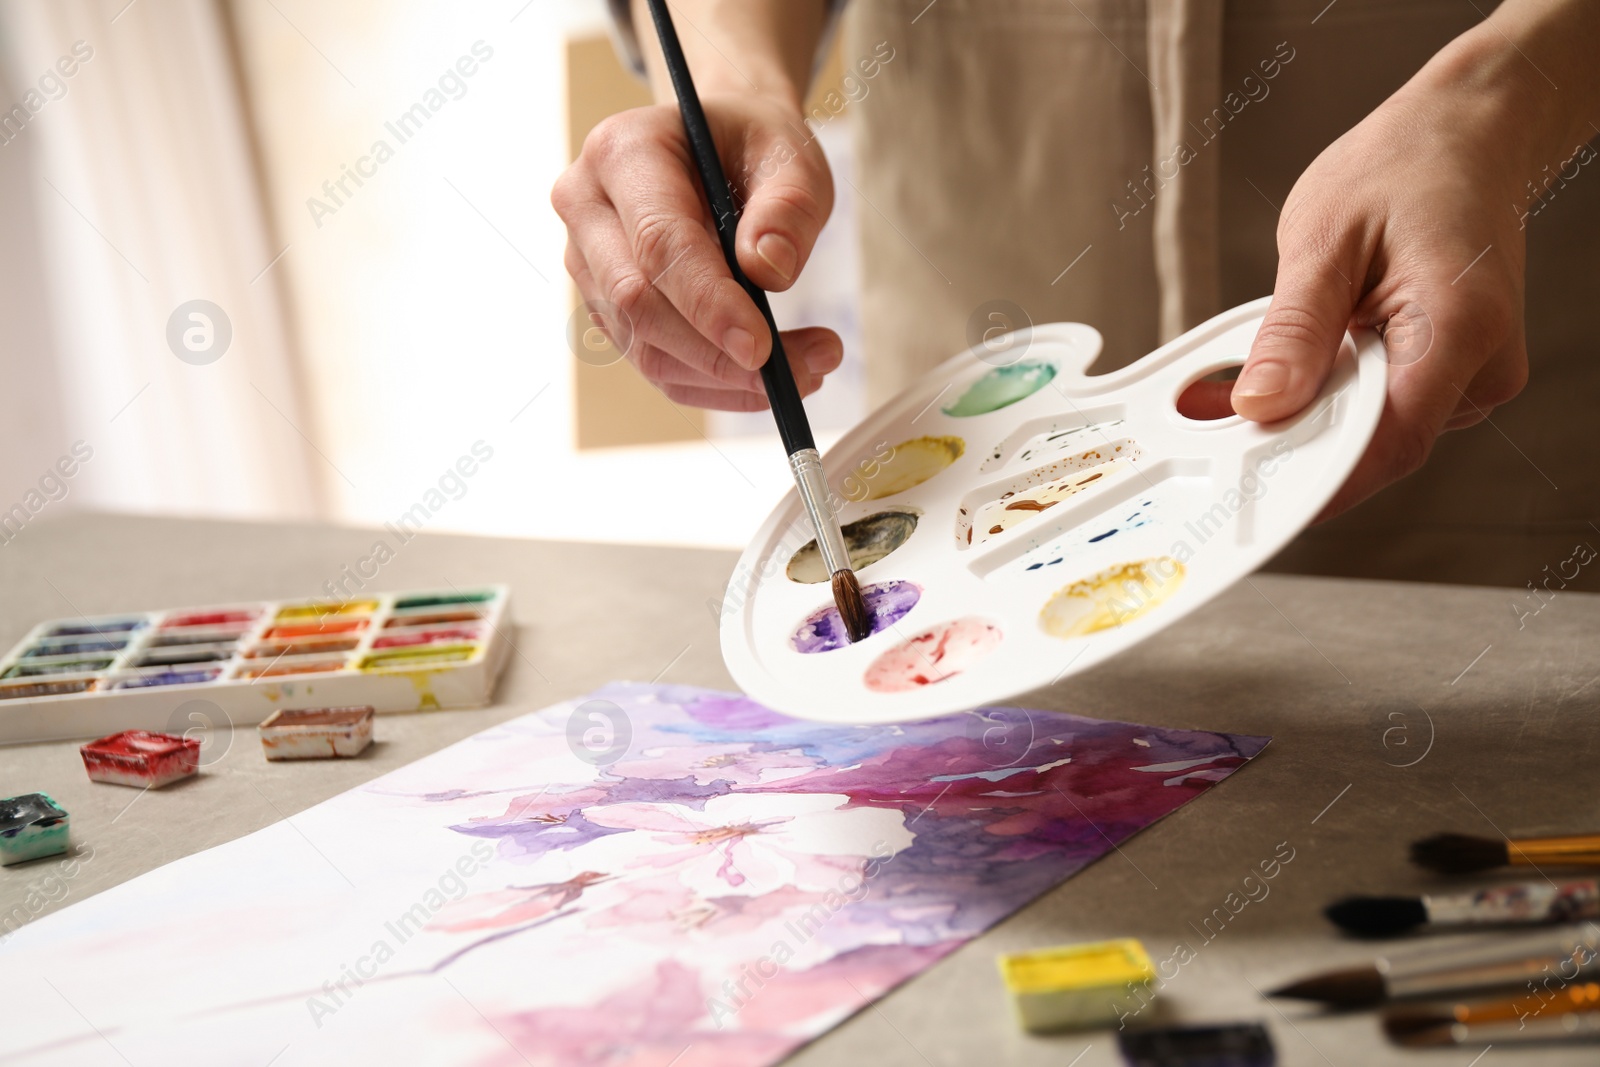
column 1002, row 387
column 441, row 599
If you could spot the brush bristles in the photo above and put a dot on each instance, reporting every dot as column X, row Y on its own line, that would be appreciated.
column 852, row 606
column 1459, row 853
column 1377, row 916
column 1353, row 988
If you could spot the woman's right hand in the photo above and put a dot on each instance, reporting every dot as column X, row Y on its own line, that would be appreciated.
column 642, row 246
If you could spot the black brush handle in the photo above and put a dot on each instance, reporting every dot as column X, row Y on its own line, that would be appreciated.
column 782, row 393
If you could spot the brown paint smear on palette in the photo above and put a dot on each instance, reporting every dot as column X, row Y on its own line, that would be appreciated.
column 867, row 540
column 1042, row 489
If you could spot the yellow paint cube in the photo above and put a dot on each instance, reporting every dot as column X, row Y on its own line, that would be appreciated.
column 1078, row 986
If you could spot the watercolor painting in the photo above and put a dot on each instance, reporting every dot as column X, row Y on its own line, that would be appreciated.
column 650, row 875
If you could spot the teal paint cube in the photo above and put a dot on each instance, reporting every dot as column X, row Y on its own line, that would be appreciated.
column 31, row 826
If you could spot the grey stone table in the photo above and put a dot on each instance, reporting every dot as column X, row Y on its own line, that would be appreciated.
column 1397, row 710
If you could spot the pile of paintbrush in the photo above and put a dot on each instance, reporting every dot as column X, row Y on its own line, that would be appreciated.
column 1509, row 987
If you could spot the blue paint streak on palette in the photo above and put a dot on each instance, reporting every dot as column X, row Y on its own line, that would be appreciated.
column 170, row 678
column 1143, row 516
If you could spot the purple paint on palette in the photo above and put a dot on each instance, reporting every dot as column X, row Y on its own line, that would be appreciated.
column 73, row 648
column 84, row 629
column 887, row 604
column 169, row 678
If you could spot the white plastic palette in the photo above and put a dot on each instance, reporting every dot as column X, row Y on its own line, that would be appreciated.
column 1076, row 521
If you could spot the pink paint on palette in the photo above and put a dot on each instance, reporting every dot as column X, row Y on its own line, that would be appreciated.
column 615, row 880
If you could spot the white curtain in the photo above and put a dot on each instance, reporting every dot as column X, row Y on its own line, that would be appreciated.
column 138, row 193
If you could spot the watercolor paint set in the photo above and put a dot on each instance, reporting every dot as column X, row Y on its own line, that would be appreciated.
column 1013, row 520
column 93, row 676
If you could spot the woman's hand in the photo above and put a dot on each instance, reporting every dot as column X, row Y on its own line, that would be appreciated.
column 642, row 246
column 1412, row 222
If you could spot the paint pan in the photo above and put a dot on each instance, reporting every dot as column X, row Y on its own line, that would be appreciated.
column 100, row 627
column 32, row 826
column 180, row 638
column 439, row 600
column 184, row 654
column 34, row 690
column 411, row 659
column 316, row 733
column 322, row 609
column 224, row 619
column 288, row 668
column 77, row 646
column 317, row 628
column 315, row 645
column 239, row 663
column 141, row 759
column 409, row 638
column 435, row 618
column 36, row 668
column 1047, row 518
column 165, row 678
column 1078, row 986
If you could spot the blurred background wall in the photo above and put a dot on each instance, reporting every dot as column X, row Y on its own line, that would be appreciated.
column 292, row 259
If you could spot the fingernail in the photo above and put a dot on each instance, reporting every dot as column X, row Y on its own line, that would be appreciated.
column 1263, row 379
column 740, row 344
column 778, row 253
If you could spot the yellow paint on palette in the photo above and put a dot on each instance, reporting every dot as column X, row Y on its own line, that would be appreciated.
column 321, row 609
column 912, row 463
column 410, row 659
column 1114, row 597
column 1077, row 986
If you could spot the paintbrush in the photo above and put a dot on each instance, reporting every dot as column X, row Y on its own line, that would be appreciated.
column 1573, row 1026
column 1464, row 854
column 1483, row 963
column 1398, row 1023
column 782, row 393
column 1520, row 903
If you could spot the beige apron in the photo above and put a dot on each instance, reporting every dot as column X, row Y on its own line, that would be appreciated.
column 1003, row 155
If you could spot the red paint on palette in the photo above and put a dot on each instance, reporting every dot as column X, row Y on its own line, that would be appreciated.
column 427, row 637
column 141, row 758
column 209, row 618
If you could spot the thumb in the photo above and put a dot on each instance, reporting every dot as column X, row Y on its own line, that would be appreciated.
column 1294, row 350
column 789, row 195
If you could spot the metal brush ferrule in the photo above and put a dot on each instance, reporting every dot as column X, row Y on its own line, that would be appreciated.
column 813, row 485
